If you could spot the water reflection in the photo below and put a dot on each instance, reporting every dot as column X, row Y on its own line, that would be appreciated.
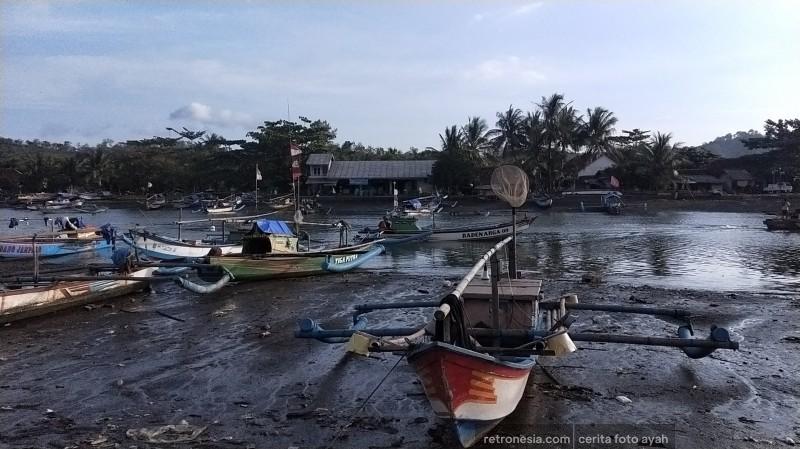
column 717, row 251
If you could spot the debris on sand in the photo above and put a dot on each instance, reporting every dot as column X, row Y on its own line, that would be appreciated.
column 172, row 433
column 623, row 399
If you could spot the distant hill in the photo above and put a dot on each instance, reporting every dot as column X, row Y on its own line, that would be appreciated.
column 730, row 146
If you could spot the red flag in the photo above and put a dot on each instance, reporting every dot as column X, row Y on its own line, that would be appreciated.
column 614, row 182
column 294, row 153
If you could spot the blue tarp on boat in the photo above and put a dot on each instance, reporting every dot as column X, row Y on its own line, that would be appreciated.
column 278, row 227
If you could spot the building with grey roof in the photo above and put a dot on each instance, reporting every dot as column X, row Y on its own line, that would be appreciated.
column 327, row 175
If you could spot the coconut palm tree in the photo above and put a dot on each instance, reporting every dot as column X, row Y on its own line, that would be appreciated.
column 451, row 141
column 473, row 138
column 598, row 128
column 660, row 157
column 509, row 137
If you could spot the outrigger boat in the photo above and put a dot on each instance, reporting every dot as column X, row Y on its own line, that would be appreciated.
column 404, row 227
column 271, row 251
column 474, row 372
column 169, row 248
column 472, row 364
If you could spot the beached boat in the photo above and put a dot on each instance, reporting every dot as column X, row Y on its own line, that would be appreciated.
column 271, row 251
column 472, row 366
column 29, row 299
column 166, row 248
column 406, row 226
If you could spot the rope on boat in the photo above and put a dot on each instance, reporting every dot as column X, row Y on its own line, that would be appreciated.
column 364, row 404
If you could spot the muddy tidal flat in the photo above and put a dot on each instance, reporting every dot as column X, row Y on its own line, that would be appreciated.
column 229, row 366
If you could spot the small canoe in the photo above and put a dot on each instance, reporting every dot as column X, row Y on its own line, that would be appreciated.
column 26, row 302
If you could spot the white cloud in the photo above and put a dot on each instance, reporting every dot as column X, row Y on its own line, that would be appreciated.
column 527, row 8
column 478, row 17
column 508, row 69
column 205, row 114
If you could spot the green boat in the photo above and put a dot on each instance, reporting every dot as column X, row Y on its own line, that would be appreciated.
column 271, row 251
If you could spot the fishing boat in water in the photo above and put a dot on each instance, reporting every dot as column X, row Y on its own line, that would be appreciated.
column 543, row 201
column 404, row 227
column 783, row 224
column 72, row 239
column 155, row 202
column 271, row 250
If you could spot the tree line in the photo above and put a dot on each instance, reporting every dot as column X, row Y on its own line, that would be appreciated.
column 552, row 142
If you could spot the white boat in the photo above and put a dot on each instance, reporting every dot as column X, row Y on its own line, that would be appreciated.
column 167, row 248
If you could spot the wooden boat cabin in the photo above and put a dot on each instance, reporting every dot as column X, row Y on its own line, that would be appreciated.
column 269, row 236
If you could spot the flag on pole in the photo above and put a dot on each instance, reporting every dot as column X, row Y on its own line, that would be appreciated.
column 295, row 153
column 258, row 173
column 614, row 182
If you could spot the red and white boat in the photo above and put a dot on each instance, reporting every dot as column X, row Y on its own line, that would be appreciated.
column 474, row 390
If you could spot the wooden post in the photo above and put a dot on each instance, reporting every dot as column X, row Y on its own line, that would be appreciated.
column 180, row 219
column 35, row 259
column 512, row 251
column 495, row 294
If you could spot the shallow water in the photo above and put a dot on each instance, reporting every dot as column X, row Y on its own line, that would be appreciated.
column 672, row 249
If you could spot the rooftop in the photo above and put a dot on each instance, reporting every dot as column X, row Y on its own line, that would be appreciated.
column 319, row 159
column 380, row 169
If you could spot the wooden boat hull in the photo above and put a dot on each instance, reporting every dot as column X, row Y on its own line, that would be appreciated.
column 165, row 248
column 50, row 248
column 782, row 224
column 29, row 302
column 285, row 265
column 474, row 390
column 487, row 232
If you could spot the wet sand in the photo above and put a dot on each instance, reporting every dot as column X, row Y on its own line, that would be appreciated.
column 82, row 378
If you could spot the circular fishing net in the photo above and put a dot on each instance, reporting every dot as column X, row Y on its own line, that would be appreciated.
column 510, row 184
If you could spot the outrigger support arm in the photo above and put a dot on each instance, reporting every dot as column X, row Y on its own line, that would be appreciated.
column 693, row 347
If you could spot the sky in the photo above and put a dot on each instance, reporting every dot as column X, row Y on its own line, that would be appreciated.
column 390, row 73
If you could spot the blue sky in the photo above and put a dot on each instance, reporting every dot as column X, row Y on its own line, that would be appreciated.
column 390, row 73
